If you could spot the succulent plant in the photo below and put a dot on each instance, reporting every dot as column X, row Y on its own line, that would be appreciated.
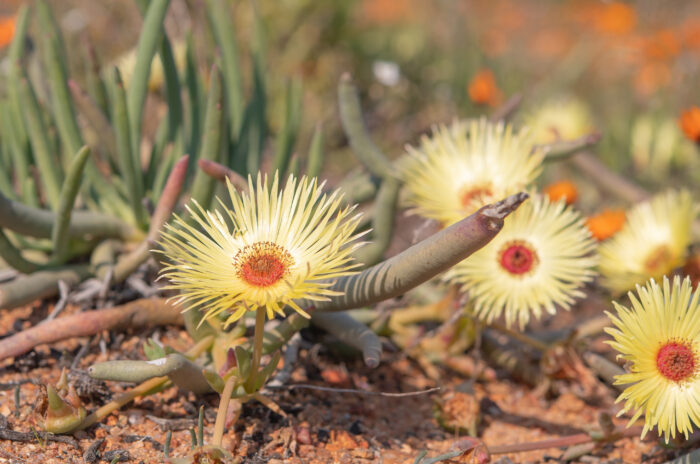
column 228, row 369
column 75, row 188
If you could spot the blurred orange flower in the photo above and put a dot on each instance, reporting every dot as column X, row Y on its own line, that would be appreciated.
column 690, row 32
column 7, row 30
column 482, row 88
column 387, row 11
column 562, row 190
column 690, row 123
column 662, row 45
column 550, row 42
column 651, row 77
column 606, row 223
column 616, row 18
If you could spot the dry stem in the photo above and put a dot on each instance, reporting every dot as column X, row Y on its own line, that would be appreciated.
column 139, row 313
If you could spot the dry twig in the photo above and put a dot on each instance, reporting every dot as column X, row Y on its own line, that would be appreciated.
column 139, row 313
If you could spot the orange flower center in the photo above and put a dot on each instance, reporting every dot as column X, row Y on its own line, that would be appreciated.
column 616, row 18
column 518, row 257
column 472, row 194
column 676, row 361
column 262, row 264
column 657, row 260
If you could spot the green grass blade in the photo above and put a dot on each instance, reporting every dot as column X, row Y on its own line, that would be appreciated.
column 223, row 30
column 194, row 104
column 151, row 37
column 55, row 62
column 59, row 234
column 8, row 132
column 203, row 185
column 258, row 127
column 54, row 58
column 19, row 41
column 172, row 89
column 238, row 158
column 172, row 80
column 293, row 166
column 290, row 127
column 47, row 163
column 30, row 196
column 165, row 165
column 161, row 174
column 5, row 157
column 127, row 161
column 95, row 84
column 175, row 132
column 15, row 56
column 99, row 121
column 382, row 223
column 155, row 169
column 6, row 186
column 356, row 131
column 314, row 160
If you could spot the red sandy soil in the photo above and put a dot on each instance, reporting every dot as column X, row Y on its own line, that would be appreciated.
column 320, row 427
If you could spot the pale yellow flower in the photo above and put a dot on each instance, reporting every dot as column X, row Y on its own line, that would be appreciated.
column 272, row 248
column 127, row 63
column 465, row 166
column 541, row 259
column 659, row 337
column 652, row 242
column 561, row 118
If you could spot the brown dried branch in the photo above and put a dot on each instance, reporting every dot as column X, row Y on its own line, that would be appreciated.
column 355, row 391
column 139, row 313
column 507, row 109
column 608, row 180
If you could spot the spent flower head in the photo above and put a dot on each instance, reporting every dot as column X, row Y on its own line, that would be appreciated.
column 659, row 336
column 274, row 245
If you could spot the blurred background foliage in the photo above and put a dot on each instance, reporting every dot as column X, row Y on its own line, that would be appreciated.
column 635, row 65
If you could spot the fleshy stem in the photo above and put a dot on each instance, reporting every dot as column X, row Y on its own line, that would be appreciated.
column 521, row 337
column 257, row 348
column 124, row 398
column 223, row 410
column 143, row 388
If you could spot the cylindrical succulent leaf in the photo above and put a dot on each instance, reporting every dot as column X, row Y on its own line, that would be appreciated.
column 420, row 262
